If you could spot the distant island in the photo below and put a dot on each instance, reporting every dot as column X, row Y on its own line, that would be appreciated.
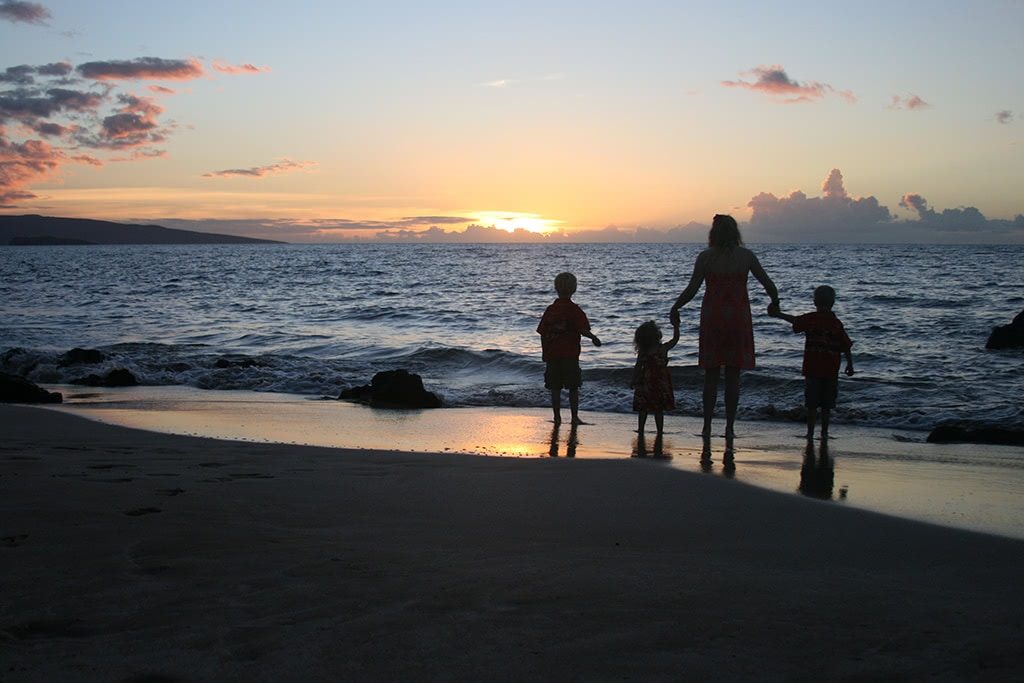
column 46, row 230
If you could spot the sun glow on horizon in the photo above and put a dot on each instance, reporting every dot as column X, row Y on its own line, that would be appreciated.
column 510, row 221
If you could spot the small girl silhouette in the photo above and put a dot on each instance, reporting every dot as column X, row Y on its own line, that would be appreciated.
column 652, row 384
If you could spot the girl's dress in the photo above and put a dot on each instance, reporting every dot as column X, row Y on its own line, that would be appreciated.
column 652, row 383
column 726, row 329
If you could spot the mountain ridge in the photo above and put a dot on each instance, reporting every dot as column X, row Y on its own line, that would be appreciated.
column 34, row 229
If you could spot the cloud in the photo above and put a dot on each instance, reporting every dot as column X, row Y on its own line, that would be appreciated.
column 775, row 82
column 160, row 90
column 1004, row 116
column 836, row 216
column 500, row 83
column 283, row 166
column 226, row 68
column 28, row 12
column 50, row 113
column 911, row 102
column 141, row 68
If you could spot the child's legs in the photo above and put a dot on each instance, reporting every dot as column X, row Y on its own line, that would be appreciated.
column 659, row 421
column 710, row 396
column 825, row 414
column 812, row 416
column 732, row 398
column 641, row 420
column 556, row 404
column 574, row 403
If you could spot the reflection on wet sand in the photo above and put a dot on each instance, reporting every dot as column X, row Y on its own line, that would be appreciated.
column 570, row 444
column 817, row 474
column 707, row 461
column 658, row 450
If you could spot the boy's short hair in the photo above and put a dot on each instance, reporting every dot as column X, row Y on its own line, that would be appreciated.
column 565, row 284
column 824, row 296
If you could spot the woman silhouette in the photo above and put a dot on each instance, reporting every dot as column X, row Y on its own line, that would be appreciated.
column 726, row 328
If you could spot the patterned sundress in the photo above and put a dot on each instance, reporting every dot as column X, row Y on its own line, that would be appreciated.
column 726, row 328
column 652, row 383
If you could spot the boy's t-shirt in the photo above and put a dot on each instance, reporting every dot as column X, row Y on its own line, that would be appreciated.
column 560, row 328
column 824, row 340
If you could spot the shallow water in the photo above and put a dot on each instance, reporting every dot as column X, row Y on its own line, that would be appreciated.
column 314, row 319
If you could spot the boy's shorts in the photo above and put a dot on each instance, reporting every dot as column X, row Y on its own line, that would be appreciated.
column 821, row 392
column 563, row 373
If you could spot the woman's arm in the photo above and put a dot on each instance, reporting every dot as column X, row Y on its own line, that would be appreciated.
column 762, row 277
column 691, row 289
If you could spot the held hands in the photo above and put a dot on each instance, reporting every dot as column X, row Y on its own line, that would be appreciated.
column 849, row 369
column 774, row 310
column 673, row 316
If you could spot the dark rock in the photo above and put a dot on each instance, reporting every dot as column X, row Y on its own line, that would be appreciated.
column 14, row 389
column 1008, row 336
column 178, row 367
column 393, row 389
column 78, row 356
column 236, row 362
column 951, row 433
column 19, row 361
column 118, row 377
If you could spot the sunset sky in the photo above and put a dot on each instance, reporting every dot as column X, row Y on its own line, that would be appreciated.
column 322, row 121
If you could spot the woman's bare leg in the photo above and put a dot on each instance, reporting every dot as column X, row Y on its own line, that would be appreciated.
column 732, row 400
column 710, row 398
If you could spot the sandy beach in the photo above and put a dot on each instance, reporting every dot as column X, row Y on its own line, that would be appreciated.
column 132, row 555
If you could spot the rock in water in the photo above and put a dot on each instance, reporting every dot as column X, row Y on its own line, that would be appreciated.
column 1008, row 336
column 77, row 356
column 14, row 389
column 118, row 377
column 393, row 389
column 951, row 433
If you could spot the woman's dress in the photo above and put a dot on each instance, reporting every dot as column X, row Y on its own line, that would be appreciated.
column 726, row 328
column 652, row 383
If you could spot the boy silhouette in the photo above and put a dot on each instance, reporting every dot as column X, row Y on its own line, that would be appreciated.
column 560, row 329
column 824, row 339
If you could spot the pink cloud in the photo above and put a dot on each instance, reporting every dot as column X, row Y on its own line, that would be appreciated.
column 142, row 68
column 226, row 68
column 160, row 90
column 911, row 102
column 28, row 12
column 283, row 166
column 774, row 81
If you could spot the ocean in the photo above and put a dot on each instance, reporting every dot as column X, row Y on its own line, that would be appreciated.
column 314, row 319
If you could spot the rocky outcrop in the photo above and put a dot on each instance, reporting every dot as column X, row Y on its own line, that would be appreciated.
column 14, row 389
column 1008, row 336
column 118, row 377
column 393, row 389
column 77, row 356
column 236, row 361
column 951, row 433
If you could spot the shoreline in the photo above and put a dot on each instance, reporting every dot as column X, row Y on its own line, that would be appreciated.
column 881, row 470
column 131, row 554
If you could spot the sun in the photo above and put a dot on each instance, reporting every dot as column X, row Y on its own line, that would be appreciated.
column 510, row 221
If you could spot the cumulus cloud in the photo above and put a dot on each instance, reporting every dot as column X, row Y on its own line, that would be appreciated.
column 836, row 216
column 27, row 12
column 283, row 166
column 151, row 68
column 51, row 113
column 1004, row 116
column 226, row 68
column 774, row 81
column 911, row 102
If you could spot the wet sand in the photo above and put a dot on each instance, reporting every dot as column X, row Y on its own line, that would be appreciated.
column 132, row 555
column 961, row 485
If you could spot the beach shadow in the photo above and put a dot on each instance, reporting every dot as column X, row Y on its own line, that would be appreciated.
column 817, row 473
column 570, row 444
